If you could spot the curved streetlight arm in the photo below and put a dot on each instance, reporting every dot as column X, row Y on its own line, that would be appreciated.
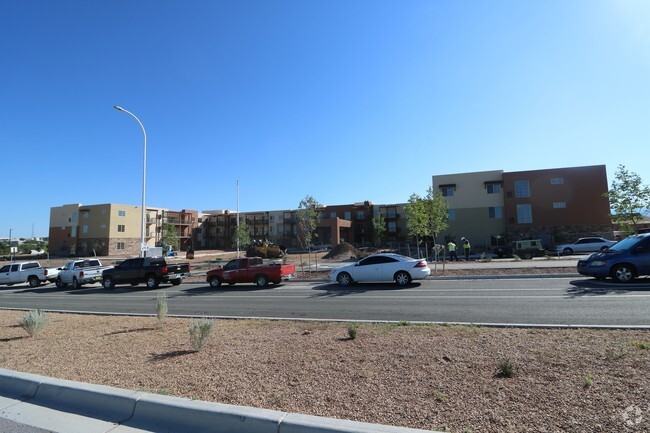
column 144, row 176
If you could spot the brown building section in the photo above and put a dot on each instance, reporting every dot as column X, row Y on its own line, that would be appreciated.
column 557, row 205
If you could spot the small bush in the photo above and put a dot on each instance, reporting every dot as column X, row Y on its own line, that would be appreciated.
column 589, row 380
column 352, row 332
column 642, row 345
column 199, row 333
column 161, row 308
column 507, row 368
column 34, row 321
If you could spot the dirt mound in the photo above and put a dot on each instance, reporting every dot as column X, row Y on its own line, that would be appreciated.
column 343, row 250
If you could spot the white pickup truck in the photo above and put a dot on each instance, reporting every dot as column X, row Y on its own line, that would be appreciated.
column 79, row 272
column 26, row 272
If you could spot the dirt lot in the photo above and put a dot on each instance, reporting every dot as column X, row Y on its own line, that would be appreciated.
column 429, row 377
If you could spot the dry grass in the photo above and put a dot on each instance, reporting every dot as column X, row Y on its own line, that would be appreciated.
column 430, row 377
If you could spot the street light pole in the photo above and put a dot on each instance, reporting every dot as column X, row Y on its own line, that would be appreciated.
column 144, row 177
column 11, row 254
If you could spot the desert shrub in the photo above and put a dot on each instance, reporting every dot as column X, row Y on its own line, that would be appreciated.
column 589, row 380
column 507, row 368
column 199, row 333
column 485, row 258
column 352, row 332
column 161, row 308
column 34, row 321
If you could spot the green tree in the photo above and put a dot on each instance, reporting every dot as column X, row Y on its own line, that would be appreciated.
column 169, row 236
column 629, row 198
column 307, row 217
column 378, row 230
column 428, row 215
column 242, row 234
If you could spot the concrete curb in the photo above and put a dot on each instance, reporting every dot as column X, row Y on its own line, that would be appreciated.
column 31, row 403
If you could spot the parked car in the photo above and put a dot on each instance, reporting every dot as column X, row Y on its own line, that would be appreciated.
column 382, row 267
column 149, row 270
column 628, row 259
column 584, row 245
column 26, row 272
column 524, row 249
column 250, row 270
column 79, row 272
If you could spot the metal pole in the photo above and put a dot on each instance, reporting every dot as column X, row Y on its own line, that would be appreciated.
column 11, row 254
column 238, row 219
column 144, row 177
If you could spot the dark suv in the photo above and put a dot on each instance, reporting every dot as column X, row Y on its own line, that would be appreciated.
column 623, row 261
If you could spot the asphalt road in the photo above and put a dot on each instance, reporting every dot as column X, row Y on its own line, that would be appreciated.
column 540, row 301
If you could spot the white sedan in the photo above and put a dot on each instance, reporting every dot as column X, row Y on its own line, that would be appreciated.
column 585, row 245
column 382, row 267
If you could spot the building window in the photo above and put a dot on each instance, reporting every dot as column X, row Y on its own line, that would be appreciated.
column 524, row 214
column 557, row 181
column 86, row 215
column 559, row 205
column 84, row 228
column 452, row 214
column 120, row 228
column 348, row 216
column 271, row 217
column 522, row 188
column 121, row 213
column 73, row 217
column 333, row 215
column 271, row 229
column 495, row 213
column 392, row 227
column 74, row 231
column 120, row 245
column 493, row 188
column 447, row 191
column 361, row 215
column 391, row 213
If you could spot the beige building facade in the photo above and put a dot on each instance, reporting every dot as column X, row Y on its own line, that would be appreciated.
column 476, row 207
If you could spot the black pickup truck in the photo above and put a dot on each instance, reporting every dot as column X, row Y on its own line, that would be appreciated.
column 149, row 270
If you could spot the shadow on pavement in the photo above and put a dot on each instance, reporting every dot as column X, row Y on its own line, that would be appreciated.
column 335, row 290
column 594, row 287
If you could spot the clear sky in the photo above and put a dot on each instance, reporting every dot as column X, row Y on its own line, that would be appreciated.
column 344, row 100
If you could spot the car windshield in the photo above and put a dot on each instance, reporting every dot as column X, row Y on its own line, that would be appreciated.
column 626, row 244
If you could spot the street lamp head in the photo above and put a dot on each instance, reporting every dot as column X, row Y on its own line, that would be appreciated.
column 117, row 107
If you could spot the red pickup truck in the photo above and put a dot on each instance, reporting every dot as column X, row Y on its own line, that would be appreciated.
column 249, row 270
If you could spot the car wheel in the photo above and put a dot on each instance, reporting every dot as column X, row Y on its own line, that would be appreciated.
column 215, row 282
column 108, row 283
column 75, row 283
column 261, row 280
column 34, row 281
column 623, row 273
column 567, row 251
column 175, row 282
column 528, row 256
column 344, row 279
column 60, row 284
column 152, row 282
column 402, row 278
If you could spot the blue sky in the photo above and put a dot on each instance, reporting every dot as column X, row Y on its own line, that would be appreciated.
column 342, row 100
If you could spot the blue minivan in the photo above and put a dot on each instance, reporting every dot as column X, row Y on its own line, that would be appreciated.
column 623, row 261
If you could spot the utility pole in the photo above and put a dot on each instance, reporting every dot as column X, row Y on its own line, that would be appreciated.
column 237, row 218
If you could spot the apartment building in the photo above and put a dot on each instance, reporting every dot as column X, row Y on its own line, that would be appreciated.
column 114, row 229
column 490, row 208
column 494, row 207
column 475, row 207
column 557, row 205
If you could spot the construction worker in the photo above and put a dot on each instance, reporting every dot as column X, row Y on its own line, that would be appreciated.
column 466, row 248
column 451, row 246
